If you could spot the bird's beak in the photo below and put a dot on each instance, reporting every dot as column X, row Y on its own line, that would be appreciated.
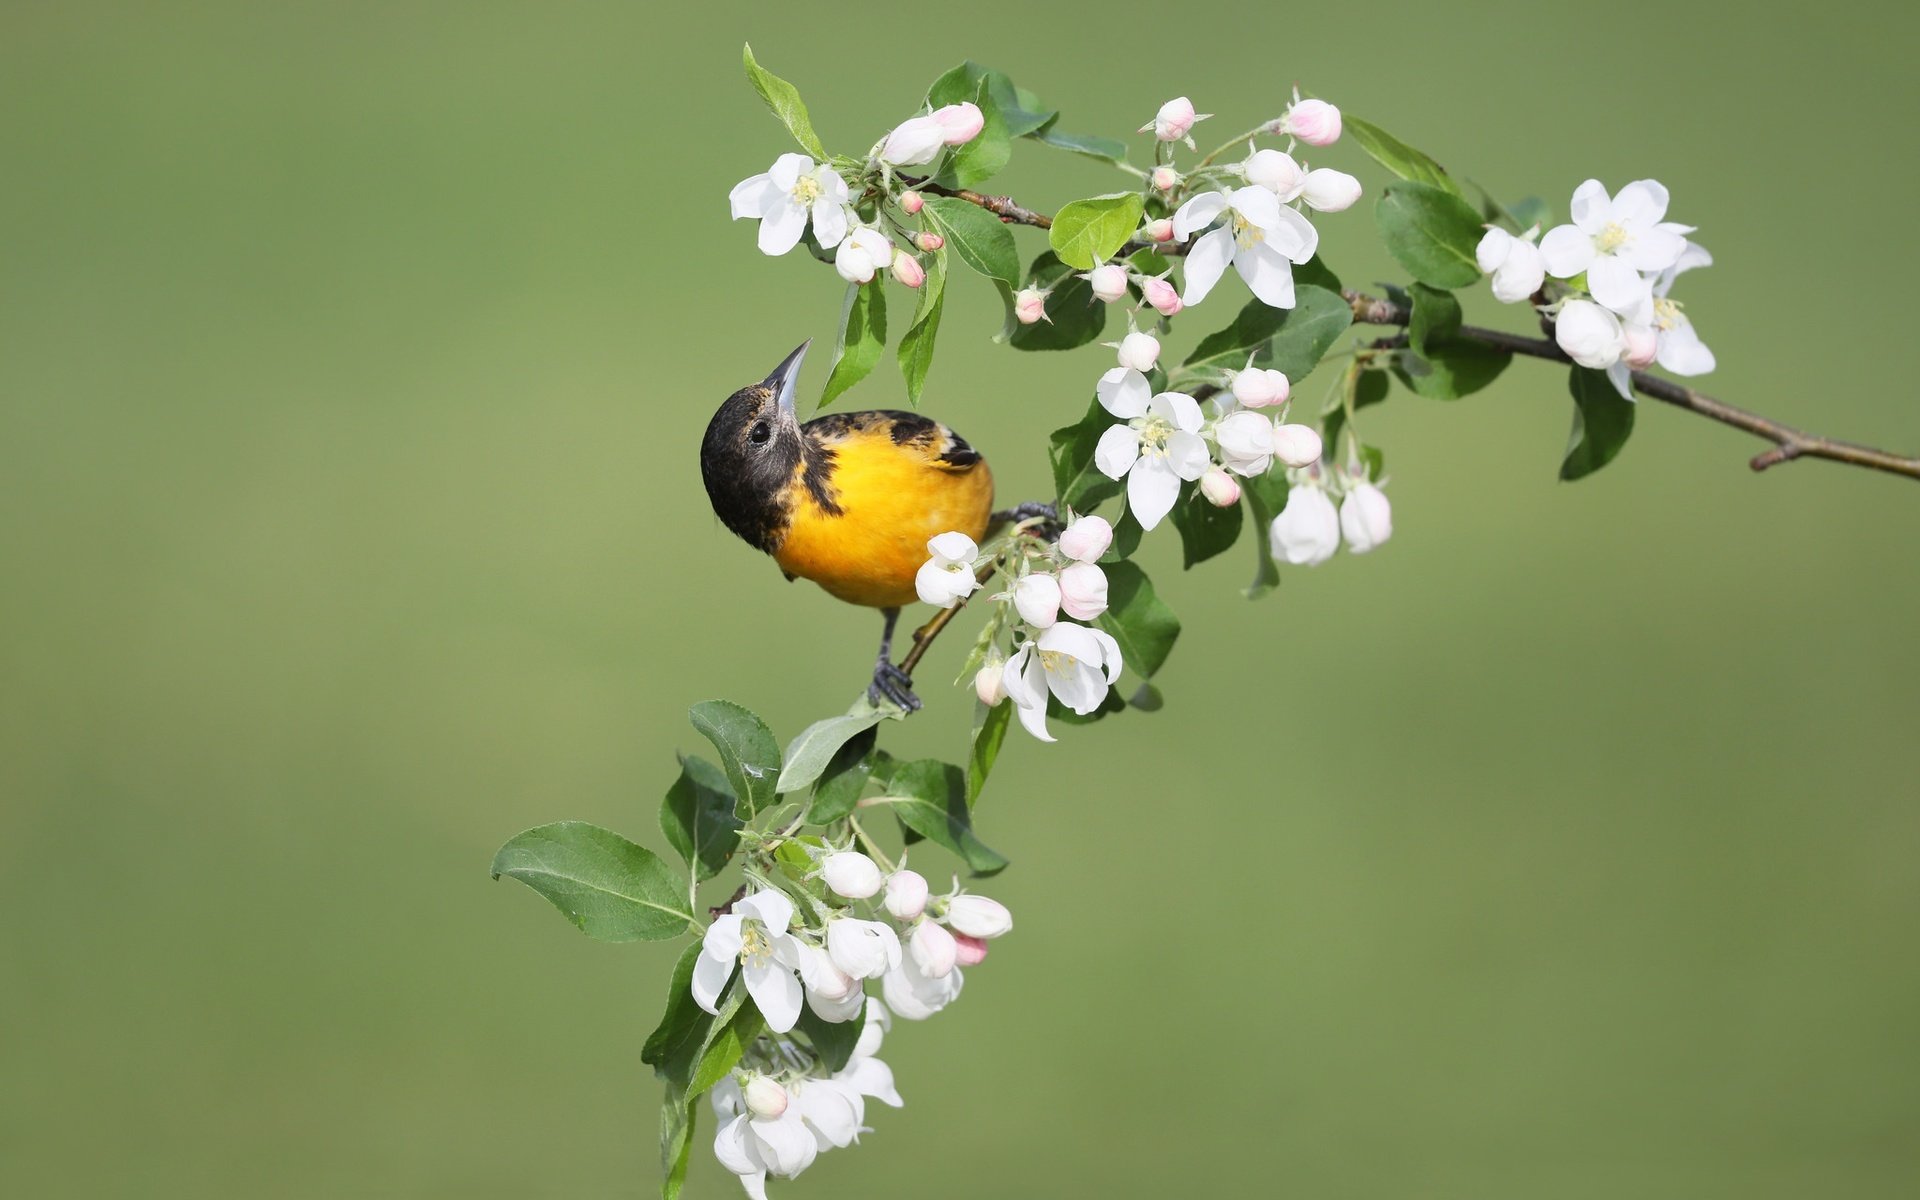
column 786, row 377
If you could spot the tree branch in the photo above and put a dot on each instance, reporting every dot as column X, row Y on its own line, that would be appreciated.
column 1788, row 443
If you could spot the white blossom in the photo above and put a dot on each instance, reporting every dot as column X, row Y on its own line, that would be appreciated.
column 987, row 684
column 931, row 948
column 1245, row 439
column 1260, row 387
column 755, row 936
column 1076, row 664
column 914, row 142
column 1030, row 305
column 1037, row 598
column 1329, row 190
column 906, row 894
column 1159, row 446
column 1314, row 122
column 1108, row 281
column 1514, row 262
column 786, row 196
column 1260, row 237
column 1138, row 351
column 756, row 1147
column 1221, row 489
column 977, row 916
column 851, row 874
column 863, row 949
column 1366, row 519
column 1591, row 335
column 1174, row 121
column 915, row 995
column 948, row 577
column 1086, row 538
column 1083, row 591
column 831, row 993
column 1296, row 445
column 1307, row 531
column 764, row 1097
column 1276, row 171
column 863, row 254
column 1613, row 240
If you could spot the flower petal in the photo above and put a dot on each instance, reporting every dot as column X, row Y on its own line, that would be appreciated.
column 1179, row 408
column 771, row 907
column 1567, row 250
column 710, row 977
column 1641, row 203
column 829, row 222
column 1206, row 262
column 1616, row 284
column 1683, row 353
column 751, row 197
column 1187, row 455
column 1493, row 249
column 1268, row 274
column 1198, row 213
column 1294, row 236
column 1590, row 205
column 781, row 228
column 1654, row 249
column 1117, row 451
column 1258, row 205
column 1152, row 487
column 1123, row 392
column 776, row 991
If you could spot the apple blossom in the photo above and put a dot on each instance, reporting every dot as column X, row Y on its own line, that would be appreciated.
column 987, row 685
column 1139, row 351
column 928, row 240
column 1157, row 447
column 1329, row 190
column 1297, row 445
column 754, row 935
column 912, row 202
column 755, row 1147
column 1221, row 489
column 1174, row 121
column 1075, row 663
column 1590, row 334
column 1260, row 387
column 1109, row 282
column 1164, row 297
column 863, row 949
column 1642, row 346
column 1160, row 230
column 831, row 993
column 906, row 894
column 1314, row 122
column 948, row 577
column 1037, row 597
column 915, row 995
column 1366, row 519
column 914, row 142
column 1307, row 531
column 862, row 255
column 969, row 951
column 1246, row 442
column 851, row 874
column 959, row 123
column 764, row 1097
column 907, row 269
column 977, row 916
column 1260, row 237
column 1613, row 240
column 1083, row 591
column 873, row 1028
column 1164, row 178
column 831, row 1110
column 931, row 948
column 789, row 194
column 1514, row 262
column 1276, row 171
column 1086, row 538
column 1030, row 305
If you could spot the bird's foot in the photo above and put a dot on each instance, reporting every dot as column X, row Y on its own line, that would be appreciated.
column 892, row 684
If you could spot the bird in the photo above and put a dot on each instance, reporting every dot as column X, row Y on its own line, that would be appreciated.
column 847, row 500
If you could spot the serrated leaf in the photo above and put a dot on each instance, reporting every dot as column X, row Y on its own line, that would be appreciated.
column 1265, row 496
column 916, row 348
column 863, row 338
column 930, row 798
column 841, row 784
column 698, row 817
column 1396, row 156
column 833, row 1041
column 784, row 99
column 982, row 157
column 1602, row 421
column 981, row 240
column 1104, row 149
column 1088, row 232
column 1298, row 337
column 1138, row 619
column 1077, row 483
column 683, row 1028
column 1315, row 273
column 1020, row 109
column 678, row 1121
column 747, row 751
column 1205, row 530
column 1431, row 232
column 610, row 888
column 989, row 731
column 808, row 754
column 1074, row 316
column 1453, row 370
column 734, row 1027
column 1436, row 317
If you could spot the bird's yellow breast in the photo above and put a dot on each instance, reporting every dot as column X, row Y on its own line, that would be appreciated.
column 882, row 485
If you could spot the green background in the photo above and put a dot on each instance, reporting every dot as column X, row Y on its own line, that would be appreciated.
column 352, row 363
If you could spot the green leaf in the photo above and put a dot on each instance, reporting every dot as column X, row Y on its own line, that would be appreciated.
column 677, row 1122
column 1300, row 336
column 1074, row 317
column 734, row 1028
column 1057, row 711
column 1453, row 370
column 784, row 99
column 682, row 1030
column 833, row 1041
column 930, row 798
column 1126, row 537
column 916, row 348
column 989, row 731
column 1077, row 483
column 747, row 751
column 1104, row 149
column 863, row 336
column 698, row 817
column 1086, row 233
column 1436, row 317
column 1265, row 495
column 1396, row 156
column 1205, row 530
column 845, row 778
column 983, row 157
column 1431, row 232
column 610, row 888
column 809, row 754
column 1315, row 272
column 1019, row 109
column 1138, row 619
column 1602, row 419
column 978, row 237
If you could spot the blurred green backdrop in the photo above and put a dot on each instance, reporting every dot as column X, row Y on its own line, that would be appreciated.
column 352, row 362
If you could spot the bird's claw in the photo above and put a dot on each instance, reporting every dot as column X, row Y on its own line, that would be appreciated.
column 892, row 684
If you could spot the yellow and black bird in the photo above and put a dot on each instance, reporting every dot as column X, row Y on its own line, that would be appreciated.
column 847, row 500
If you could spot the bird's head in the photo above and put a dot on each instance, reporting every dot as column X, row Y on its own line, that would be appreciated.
column 751, row 451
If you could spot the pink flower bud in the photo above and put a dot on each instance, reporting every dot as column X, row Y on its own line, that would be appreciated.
column 1174, row 120
column 968, row 951
column 1221, row 489
column 1160, row 230
column 1314, row 122
column 978, row 916
column 1164, row 297
column 1139, row 351
column 959, row 123
column 906, row 895
column 1256, row 387
column 1296, row 445
column 764, row 1097
column 1083, row 591
column 932, row 949
column 907, row 269
column 1165, row 179
column 850, row 874
column 1086, row 539
column 989, row 683
column 1030, row 305
column 912, row 202
column 1642, row 344
column 913, row 142
column 1276, row 171
column 929, row 241
column 1109, row 282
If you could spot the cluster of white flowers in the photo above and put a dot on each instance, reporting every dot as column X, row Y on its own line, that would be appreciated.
column 1309, row 529
column 1619, row 257
column 783, row 1107
column 796, row 191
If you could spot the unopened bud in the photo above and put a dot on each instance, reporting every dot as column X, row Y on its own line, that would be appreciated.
column 1296, row 445
column 913, row 142
column 907, row 269
column 1329, row 190
column 1139, row 351
column 1174, row 120
column 1221, row 489
column 959, row 123
column 1366, row 519
column 1258, row 387
column 1083, row 591
column 912, row 202
column 1314, row 122
column 1164, row 297
column 1109, row 282
column 1642, row 344
column 1086, row 539
column 850, row 874
column 989, row 683
column 1165, row 179
column 1276, row 171
column 968, row 951
column 929, row 241
column 1160, row 230
column 764, row 1097
column 906, row 895
column 978, row 916
column 1037, row 597
column 932, row 949
column 1030, row 305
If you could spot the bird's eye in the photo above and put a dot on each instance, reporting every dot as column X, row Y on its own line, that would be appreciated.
column 759, row 434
